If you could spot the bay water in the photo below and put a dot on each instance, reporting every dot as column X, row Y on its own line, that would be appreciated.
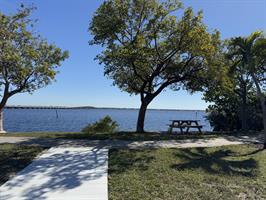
column 73, row 120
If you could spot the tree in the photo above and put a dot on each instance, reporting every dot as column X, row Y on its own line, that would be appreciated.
column 147, row 49
column 231, row 98
column 27, row 62
column 251, row 51
column 222, row 113
column 225, row 112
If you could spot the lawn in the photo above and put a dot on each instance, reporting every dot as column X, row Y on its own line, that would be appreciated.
column 232, row 172
column 132, row 136
column 14, row 157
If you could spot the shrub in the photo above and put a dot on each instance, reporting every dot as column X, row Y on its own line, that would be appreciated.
column 104, row 125
column 220, row 120
column 226, row 116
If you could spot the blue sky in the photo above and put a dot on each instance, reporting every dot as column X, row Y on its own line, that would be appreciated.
column 81, row 81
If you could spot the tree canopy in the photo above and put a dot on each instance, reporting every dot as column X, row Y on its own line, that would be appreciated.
column 148, row 48
column 251, row 52
column 27, row 61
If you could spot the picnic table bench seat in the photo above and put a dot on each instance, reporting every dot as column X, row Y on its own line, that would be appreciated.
column 185, row 126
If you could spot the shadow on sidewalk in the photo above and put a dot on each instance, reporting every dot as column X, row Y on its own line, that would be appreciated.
column 57, row 170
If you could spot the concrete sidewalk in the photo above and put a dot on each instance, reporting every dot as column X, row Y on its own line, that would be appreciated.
column 61, row 173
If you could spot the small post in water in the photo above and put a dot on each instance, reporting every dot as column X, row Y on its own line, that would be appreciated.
column 56, row 113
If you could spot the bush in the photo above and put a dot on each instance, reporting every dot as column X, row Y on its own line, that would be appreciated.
column 104, row 125
column 223, row 121
column 226, row 117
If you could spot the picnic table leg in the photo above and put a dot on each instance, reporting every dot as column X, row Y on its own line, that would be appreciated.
column 198, row 127
column 172, row 127
column 181, row 130
column 189, row 123
column 200, row 130
column 171, row 130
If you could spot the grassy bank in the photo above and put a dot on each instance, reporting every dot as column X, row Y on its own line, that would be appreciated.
column 233, row 172
column 15, row 157
column 111, row 136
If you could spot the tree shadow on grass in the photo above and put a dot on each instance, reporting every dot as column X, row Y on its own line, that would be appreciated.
column 14, row 158
column 253, row 152
column 121, row 160
column 217, row 162
column 57, row 171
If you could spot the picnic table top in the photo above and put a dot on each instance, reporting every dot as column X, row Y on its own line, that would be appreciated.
column 184, row 120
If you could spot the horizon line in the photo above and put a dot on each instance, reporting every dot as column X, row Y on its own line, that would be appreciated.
column 90, row 107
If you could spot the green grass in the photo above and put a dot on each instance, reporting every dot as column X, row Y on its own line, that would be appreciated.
column 232, row 172
column 112, row 136
column 14, row 157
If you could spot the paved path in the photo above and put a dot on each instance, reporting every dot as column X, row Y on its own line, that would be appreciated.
column 10, row 139
column 60, row 174
column 184, row 143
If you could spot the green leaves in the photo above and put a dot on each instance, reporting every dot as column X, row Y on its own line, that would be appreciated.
column 104, row 125
column 244, row 64
column 147, row 46
column 27, row 62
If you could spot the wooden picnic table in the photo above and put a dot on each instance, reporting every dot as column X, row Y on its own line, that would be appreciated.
column 184, row 124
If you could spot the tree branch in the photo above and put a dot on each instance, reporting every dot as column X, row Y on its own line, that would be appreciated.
column 135, row 71
column 22, row 86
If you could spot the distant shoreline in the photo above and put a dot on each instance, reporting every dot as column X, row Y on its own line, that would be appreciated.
column 91, row 107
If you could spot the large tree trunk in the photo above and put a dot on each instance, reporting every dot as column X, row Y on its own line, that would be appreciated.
column 1, row 121
column 142, row 112
column 141, row 118
column 2, row 105
column 263, row 106
column 145, row 101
